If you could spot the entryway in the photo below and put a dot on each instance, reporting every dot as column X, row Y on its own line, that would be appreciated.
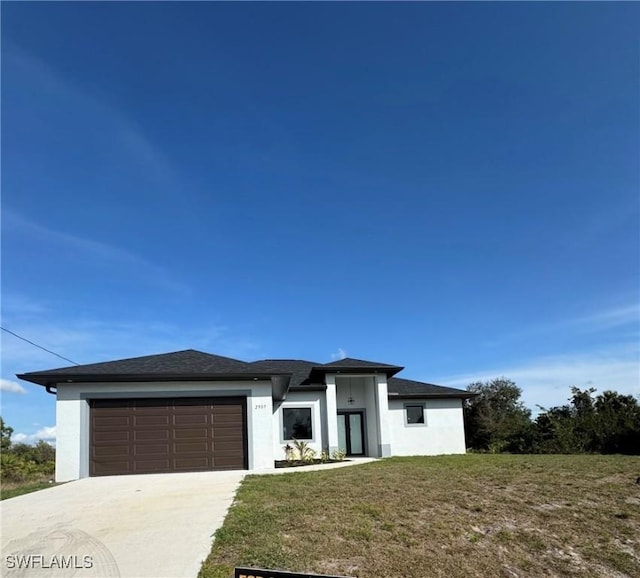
column 351, row 432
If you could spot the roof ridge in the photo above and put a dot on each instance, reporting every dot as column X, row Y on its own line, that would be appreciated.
column 367, row 361
column 281, row 359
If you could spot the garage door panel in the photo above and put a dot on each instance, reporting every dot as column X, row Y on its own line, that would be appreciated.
column 227, row 463
column 220, row 439
column 153, row 420
column 191, row 419
column 101, row 436
column 190, row 448
column 111, row 451
column 107, row 468
column 193, row 464
column 151, row 466
column 191, row 433
column 150, row 434
column 226, row 420
column 226, row 454
column 151, row 449
column 167, row 435
column 227, row 449
column 226, row 431
column 112, row 421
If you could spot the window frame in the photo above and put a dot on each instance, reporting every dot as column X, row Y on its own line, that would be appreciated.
column 422, row 405
column 311, row 408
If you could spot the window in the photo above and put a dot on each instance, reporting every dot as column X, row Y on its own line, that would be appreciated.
column 415, row 414
column 296, row 423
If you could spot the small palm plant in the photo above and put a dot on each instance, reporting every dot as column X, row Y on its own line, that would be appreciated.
column 305, row 453
column 339, row 455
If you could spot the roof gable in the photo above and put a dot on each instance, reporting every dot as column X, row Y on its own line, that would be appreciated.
column 351, row 365
column 350, row 362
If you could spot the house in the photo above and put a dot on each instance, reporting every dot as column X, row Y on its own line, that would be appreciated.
column 193, row 411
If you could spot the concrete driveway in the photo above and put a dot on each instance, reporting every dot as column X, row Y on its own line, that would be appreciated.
column 158, row 525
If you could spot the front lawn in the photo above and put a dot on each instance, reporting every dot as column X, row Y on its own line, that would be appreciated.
column 473, row 515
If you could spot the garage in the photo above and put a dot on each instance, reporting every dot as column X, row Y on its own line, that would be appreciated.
column 188, row 434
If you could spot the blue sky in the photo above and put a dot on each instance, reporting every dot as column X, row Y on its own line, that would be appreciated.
column 448, row 187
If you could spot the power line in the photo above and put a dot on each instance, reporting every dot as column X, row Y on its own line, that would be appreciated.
column 39, row 346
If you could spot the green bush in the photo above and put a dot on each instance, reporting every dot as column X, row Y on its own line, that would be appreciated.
column 22, row 462
column 17, row 469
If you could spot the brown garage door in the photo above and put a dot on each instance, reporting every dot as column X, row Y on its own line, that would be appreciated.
column 141, row 436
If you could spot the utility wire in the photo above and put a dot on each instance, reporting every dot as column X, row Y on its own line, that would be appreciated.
column 39, row 346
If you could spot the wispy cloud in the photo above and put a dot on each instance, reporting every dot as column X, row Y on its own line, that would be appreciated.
column 623, row 316
column 616, row 317
column 340, row 354
column 91, row 340
column 546, row 381
column 92, row 250
column 129, row 136
column 47, row 434
column 8, row 386
column 22, row 306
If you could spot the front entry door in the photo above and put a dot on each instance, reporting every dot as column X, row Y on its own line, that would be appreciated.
column 351, row 432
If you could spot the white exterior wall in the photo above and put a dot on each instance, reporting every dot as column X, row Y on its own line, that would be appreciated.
column 330, row 409
column 384, row 426
column 443, row 432
column 316, row 401
column 72, row 417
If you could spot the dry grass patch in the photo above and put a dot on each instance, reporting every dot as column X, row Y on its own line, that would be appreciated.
column 13, row 489
column 473, row 515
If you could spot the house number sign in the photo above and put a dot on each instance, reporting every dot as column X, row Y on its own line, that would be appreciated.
column 261, row 573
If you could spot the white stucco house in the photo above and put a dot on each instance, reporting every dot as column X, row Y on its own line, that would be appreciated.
column 194, row 411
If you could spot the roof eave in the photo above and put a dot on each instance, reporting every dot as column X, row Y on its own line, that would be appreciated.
column 388, row 370
column 313, row 387
column 461, row 395
column 45, row 379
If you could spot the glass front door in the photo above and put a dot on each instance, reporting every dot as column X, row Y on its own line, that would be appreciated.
column 351, row 432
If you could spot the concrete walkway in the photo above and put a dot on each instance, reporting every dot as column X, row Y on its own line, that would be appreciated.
column 158, row 525
column 145, row 526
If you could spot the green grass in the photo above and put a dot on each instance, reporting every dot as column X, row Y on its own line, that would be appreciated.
column 449, row 516
column 13, row 490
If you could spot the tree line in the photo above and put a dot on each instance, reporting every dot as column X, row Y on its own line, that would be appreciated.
column 496, row 421
column 20, row 462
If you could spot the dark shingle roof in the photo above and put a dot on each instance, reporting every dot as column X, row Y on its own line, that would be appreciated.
column 192, row 364
column 189, row 361
column 399, row 387
column 350, row 362
column 350, row 365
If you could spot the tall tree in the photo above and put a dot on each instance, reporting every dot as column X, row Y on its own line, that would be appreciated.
column 495, row 418
column 610, row 423
column 5, row 435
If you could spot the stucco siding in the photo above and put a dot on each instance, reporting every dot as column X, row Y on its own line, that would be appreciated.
column 442, row 432
column 72, row 417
